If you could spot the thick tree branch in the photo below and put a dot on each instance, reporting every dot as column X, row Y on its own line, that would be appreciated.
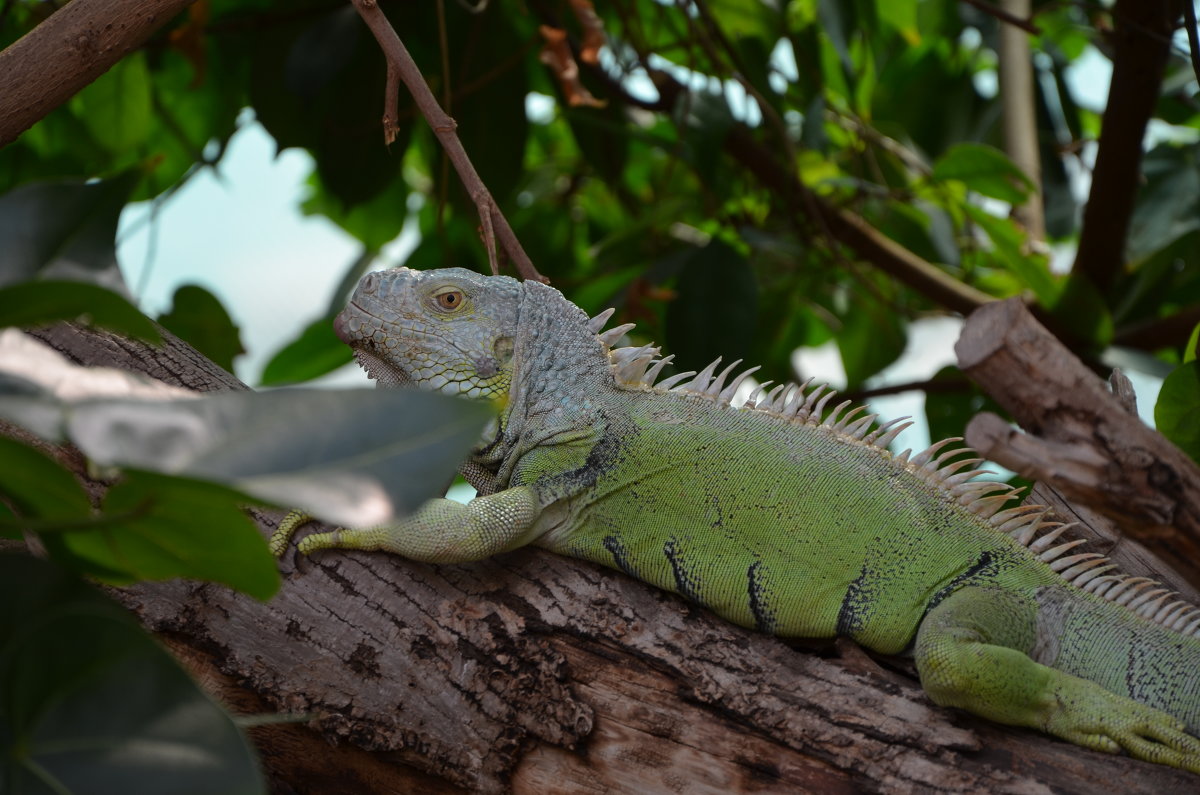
column 536, row 673
column 1080, row 439
column 1141, row 42
column 74, row 46
column 401, row 67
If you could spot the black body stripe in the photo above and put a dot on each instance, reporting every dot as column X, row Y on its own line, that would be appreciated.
column 620, row 554
column 685, row 583
column 764, row 616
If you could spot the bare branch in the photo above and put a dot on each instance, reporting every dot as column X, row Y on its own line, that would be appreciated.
column 401, row 65
column 1141, row 43
column 1081, row 439
column 74, row 46
column 1005, row 17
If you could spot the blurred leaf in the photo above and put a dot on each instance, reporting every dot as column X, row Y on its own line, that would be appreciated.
column 901, row 16
column 63, row 229
column 161, row 527
column 37, row 486
column 1032, row 270
column 375, row 222
column 985, row 170
column 42, row 302
column 353, row 457
column 1178, row 407
column 198, row 318
column 715, row 309
column 873, row 336
column 1168, row 205
column 1082, row 312
column 314, row 353
column 949, row 410
column 492, row 124
column 116, row 105
column 90, row 703
column 1190, row 350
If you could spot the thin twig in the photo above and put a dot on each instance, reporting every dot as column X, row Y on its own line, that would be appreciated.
column 1004, row 16
column 1189, row 21
column 401, row 65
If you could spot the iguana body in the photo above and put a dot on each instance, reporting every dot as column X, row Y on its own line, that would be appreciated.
column 773, row 517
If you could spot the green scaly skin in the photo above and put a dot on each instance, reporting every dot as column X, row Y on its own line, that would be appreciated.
column 771, row 517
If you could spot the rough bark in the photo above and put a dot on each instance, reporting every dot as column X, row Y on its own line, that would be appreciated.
column 542, row 674
column 74, row 46
column 1079, row 438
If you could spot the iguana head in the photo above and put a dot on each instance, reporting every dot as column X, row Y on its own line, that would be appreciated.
column 448, row 330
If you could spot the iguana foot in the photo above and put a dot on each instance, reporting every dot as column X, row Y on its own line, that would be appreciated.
column 1090, row 716
column 286, row 529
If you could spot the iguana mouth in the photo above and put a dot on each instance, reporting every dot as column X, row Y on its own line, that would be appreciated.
column 381, row 370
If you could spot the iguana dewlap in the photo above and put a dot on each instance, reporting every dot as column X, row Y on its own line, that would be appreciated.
column 777, row 515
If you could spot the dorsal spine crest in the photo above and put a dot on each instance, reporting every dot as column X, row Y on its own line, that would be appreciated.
column 1030, row 526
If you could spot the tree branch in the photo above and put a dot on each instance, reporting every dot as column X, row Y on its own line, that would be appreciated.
column 1020, row 116
column 1080, row 439
column 1014, row 20
column 1141, row 43
column 533, row 673
column 401, row 67
column 74, row 46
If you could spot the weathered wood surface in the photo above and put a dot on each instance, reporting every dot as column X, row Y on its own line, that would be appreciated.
column 1078, row 437
column 539, row 674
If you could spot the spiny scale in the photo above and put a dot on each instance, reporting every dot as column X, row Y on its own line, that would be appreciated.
column 1028, row 525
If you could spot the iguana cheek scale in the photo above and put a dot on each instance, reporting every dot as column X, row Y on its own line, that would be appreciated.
column 782, row 515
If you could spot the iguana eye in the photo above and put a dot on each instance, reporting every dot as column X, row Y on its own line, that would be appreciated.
column 450, row 299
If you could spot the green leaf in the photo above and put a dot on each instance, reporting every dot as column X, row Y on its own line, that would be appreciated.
column 314, row 353
column 901, row 16
column 63, row 229
column 985, row 170
column 116, row 106
column 1193, row 345
column 37, row 486
column 90, row 703
column 197, row 317
column 873, row 336
column 175, row 527
column 1031, row 269
column 715, row 310
column 1178, row 407
column 42, row 302
column 948, row 411
column 1082, row 312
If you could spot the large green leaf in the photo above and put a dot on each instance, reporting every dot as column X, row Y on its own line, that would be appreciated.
column 43, row 302
column 985, row 170
column 64, row 228
column 156, row 527
column 116, row 106
column 197, row 317
column 714, row 312
column 35, row 484
column 1178, row 407
column 89, row 703
column 873, row 336
column 314, row 353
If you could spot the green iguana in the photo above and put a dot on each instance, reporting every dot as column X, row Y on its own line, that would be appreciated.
column 775, row 515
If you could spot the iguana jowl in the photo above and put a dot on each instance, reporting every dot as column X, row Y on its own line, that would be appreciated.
column 775, row 515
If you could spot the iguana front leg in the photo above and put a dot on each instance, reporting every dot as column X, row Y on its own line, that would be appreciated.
column 968, row 653
column 441, row 531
